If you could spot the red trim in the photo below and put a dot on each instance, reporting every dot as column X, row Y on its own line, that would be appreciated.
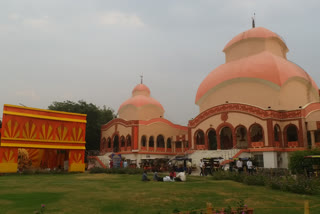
column 300, row 136
column 246, row 109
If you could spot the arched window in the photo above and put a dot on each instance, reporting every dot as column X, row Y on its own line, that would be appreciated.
column 116, row 143
column 212, row 139
column 226, row 139
column 178, row 144
column 151, row 141
column 123, row 141
column 169, row 143
column 256, row 133
column 144, row 141
column 109, row 142
column 242, row 138
column 199, row 137
column 292, row 133
column 160, row 141
column 128, row 140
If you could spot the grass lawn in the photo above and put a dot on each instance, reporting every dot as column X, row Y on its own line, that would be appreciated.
column 105, row 193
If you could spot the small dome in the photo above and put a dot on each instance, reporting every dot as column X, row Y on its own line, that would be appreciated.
column 141, row 89
column 258, row 32
column 141, row 106
column 141, row 100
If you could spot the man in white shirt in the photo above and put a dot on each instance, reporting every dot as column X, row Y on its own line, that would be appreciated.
column 201, row 165
column 250, row 166
column 240, row 165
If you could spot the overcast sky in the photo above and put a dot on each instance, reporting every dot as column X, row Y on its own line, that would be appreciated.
column 95, row 50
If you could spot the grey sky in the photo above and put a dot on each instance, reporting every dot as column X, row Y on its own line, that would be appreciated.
column 95, row 50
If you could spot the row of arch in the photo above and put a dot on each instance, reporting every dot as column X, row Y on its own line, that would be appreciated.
column 241, row 137
column 116, row 144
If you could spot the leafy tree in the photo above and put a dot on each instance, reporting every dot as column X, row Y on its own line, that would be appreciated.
column 96, row 117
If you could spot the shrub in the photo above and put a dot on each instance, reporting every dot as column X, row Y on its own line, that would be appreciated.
column 296, row 184
column 297, row 163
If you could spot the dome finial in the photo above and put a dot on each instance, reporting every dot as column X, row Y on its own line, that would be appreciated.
column 141, row 76
column 253, row 20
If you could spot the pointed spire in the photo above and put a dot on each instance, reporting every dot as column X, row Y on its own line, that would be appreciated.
column 254, row 20
column 141, row 76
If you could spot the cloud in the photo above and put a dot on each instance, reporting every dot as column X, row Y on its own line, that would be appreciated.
column 36, row 22
column 28, row 93
column 121, row 19
column 14, row 16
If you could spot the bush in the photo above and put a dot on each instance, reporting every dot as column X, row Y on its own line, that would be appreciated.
column 297, row 163
column 296, row 184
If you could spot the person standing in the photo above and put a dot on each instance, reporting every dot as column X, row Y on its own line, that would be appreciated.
column 240, row 165
column 189, row 167
column 250, row 166
column 201, row 165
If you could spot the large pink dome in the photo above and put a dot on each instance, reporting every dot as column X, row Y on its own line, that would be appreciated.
column 264, row 65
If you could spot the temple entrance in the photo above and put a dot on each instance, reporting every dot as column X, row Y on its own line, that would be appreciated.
column 242, row 138
column 116, row 143
column 226, row 138
column 212, row 140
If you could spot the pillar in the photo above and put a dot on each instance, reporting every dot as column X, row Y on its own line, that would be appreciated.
column 313, row 142
column 165, row 145
column 76, row 161
column 8, row 160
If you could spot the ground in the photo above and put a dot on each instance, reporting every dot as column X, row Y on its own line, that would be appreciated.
column 105, row 193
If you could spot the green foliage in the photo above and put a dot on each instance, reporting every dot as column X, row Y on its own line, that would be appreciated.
column 129, row 171
column 289, row 183
column 297, row 163
column 96, row 117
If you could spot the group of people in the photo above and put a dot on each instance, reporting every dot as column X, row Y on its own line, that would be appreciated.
column 240, row 166
column 181, row 176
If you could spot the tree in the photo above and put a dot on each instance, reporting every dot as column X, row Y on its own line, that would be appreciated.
column 96, row 117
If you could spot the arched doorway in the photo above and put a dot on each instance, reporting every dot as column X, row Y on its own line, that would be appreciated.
column 143, row 141
column 292, row 136
column 226, row 138
column 212, row 140
column 122, row 141
column 160, row 141
column 116, row 143
column 256, row 135
column 199, row 139
column 242, row 137
column 151, row 142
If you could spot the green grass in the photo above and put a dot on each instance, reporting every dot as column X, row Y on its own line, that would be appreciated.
column 110, row 193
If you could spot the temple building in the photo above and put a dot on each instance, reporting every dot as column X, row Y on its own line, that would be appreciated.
column 257, row 104
column 141, row 132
